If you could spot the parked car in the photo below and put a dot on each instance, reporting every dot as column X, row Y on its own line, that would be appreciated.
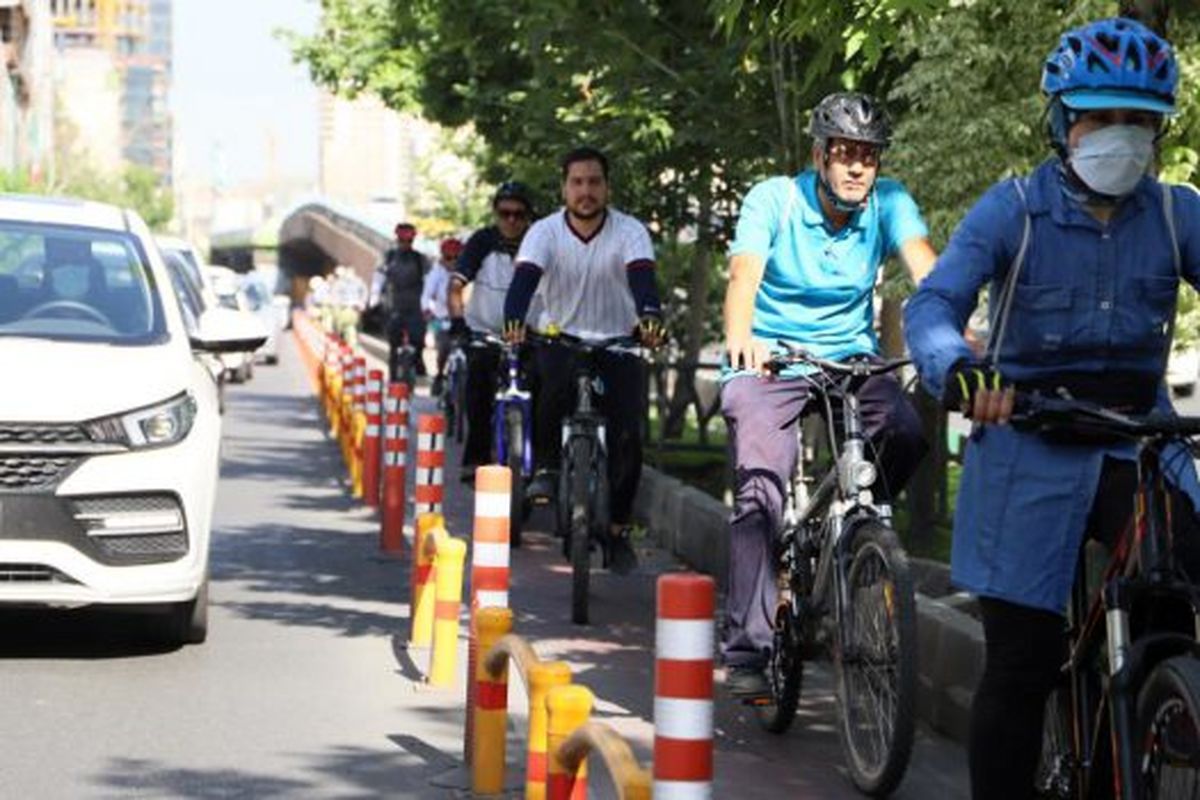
column 227, row 289
column 271, row 310
column 109, row 427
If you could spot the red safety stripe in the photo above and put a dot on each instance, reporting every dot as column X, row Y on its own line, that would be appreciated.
column 491, row 695
column 446, row 609
column 489, row 578
column 423, row 573
column 691, row 680
column 685, row 596
column 683, row 759
column 431, row 459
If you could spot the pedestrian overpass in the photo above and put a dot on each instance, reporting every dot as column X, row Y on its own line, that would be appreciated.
column 309, row 239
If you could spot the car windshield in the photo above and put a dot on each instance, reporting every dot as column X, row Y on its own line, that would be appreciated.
column 79, row 284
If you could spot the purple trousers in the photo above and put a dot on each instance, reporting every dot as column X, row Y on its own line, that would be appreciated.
column 759, row 413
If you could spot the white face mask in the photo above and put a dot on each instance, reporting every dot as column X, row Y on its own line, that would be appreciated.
column 69, row 282
column 1114, row 158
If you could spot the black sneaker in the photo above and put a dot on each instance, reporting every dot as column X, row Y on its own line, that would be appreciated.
column 541, row 488
column 747, row 683
column 467, row 475
column 621, row 558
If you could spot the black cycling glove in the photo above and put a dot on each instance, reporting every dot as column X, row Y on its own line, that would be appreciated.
column 965, row 380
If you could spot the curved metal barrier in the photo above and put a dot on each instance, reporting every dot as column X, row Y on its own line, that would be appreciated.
column 630, row 779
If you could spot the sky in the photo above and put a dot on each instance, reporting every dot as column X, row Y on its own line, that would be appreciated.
column 235, row 87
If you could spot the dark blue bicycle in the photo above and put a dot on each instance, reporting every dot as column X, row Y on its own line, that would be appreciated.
column 512, row 429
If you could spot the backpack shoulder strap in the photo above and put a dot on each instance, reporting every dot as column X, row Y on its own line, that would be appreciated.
column 1002, row 304
column 1168, row 205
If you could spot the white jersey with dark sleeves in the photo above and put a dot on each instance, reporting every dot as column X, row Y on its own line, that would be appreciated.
column 488, row 268
column 584, row 287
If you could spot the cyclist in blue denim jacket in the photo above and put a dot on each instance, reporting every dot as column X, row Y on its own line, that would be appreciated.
column 1084, row 258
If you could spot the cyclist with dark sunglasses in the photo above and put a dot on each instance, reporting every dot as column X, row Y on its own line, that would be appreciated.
column 487, row 262
column 802, row 269
column 1084, row 258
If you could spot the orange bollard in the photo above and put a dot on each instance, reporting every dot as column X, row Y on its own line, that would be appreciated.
column 431, row 458
column 683, row 686
column 423, row 598
column 395, row 456
column 489, row 566
column 371, row 441
column 449, row 557
column 491, row 707
column 567, row 707
column 543, row 677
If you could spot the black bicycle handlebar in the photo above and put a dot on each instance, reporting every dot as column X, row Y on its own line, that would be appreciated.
column 1033, row 411
column 585, row 345
column 860, row 368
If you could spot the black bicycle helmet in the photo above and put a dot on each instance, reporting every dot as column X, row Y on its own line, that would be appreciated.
column 850, row 115
column 513, row 190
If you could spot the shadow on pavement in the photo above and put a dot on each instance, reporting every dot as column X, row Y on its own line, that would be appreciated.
column 85, row 633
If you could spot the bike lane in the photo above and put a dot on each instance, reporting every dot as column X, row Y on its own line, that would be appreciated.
column 614, row 657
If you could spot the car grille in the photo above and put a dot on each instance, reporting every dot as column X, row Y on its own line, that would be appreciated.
column 142, row 529
column 32, row 573
column 151, row 547
column 17, row 433
column 32, row 472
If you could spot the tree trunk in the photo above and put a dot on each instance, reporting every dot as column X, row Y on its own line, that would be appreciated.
column 684, row 393
column 1151, row 13
column 922, row 494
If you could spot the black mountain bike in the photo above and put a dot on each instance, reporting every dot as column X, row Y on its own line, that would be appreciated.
column 582, row 504
column 845, row 588
column 1125, row 723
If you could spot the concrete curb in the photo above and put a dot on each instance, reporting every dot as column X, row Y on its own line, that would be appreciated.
column 694, row 526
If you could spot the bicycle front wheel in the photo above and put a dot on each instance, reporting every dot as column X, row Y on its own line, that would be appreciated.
column 581, row 527
column 514, row 438
column 1169, row 731
column 459, row 386
column 876, row 661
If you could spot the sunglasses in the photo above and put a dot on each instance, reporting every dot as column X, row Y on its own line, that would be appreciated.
column 848, row 152
column 513, row 214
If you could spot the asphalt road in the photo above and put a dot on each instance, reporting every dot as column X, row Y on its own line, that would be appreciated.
column 304, row 688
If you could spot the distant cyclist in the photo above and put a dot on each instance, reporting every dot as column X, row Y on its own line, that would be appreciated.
column 398, row 284
column 434, row 308
column 348, row 296
column 593, row 267
column 487, row 264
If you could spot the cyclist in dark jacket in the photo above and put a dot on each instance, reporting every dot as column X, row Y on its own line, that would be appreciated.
column 398, row 283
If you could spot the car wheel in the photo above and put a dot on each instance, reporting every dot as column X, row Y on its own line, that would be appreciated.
column 187, row 622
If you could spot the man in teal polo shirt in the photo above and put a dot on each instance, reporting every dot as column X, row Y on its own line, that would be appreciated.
column 803, row 269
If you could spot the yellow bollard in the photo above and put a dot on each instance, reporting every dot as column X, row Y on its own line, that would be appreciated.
column 358, row 432
column 420, row 632
column 567, row 708
column 542, row 677
column 346, row 415
column 491, row 706
column 451, row 553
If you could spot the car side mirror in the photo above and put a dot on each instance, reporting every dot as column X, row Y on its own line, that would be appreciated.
column 227, row 330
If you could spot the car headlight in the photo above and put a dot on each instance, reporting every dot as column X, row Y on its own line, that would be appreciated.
column 155, row 426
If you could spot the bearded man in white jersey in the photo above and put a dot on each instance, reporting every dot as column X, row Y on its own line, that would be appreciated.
column 593, row 269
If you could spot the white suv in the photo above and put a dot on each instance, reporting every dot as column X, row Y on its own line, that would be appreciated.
column 109, row 429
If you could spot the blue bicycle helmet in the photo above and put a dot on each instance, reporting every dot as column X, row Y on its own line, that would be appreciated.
column 1112, row 63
